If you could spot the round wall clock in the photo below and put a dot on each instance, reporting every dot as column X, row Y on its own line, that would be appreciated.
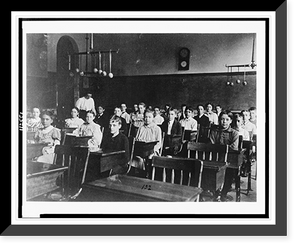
column 184, row 52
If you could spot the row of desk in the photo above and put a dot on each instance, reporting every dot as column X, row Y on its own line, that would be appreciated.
column 42, row 179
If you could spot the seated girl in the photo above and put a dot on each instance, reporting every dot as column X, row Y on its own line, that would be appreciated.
column 34, row 123
column 149, row 132
column 227, row 136
column 48, row 135
column 89, row 128
column 74, row 121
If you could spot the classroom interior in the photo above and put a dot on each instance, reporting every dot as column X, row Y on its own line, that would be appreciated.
column 220, row 68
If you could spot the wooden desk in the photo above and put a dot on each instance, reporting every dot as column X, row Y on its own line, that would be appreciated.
column 213, row 175
column 129, row 188
column 100, row 162
column 144, row 149
column 41, row 178
column 34, row 150
column 75, row 140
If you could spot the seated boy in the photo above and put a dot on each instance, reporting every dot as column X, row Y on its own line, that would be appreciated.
column 116, row 141
column 124, row 126
column 189, row 124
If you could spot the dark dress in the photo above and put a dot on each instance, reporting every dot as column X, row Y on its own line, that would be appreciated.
column 203, row 120
column 204, row 128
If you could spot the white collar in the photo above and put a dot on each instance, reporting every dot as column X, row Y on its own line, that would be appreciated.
column 47, row 129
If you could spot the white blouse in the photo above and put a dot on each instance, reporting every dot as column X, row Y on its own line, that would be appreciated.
column 93, row 130
column 74, row 122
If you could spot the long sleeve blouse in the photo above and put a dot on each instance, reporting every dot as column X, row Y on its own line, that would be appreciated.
column 91, row 129
column 150, row 133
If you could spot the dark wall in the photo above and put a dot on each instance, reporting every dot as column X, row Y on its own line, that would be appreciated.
column 41, row 91
column 191, row 89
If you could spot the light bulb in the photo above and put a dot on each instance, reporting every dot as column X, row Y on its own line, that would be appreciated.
column 104, row 73
column 232, row 84
column 71, row 74
column 100, row 71
column 245, row 83
column 110, row 75
column 77, row 70
column 81, row 73
column 95, row 70
column 238, row 81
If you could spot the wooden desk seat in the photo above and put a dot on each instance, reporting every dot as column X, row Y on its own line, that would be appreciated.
column 129, row 188
column 76, row 159
column 214, row 165
column 41, row 179
column 34, row 150
column 141, row 150
column 102, row 161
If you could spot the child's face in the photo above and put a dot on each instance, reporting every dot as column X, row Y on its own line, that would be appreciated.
column 123, row 107
column 141, row 109
column 225, row 121
column 88, row 96
column 156, row 111
column 89, row 118
column 200, row 110
column 188, row 113
column 148, row 119
column 209, row 108
column 136, row 108
column 118, row 112
column 100, row 109
column 253, row 114
column 74, row 113
column 114, row 127
column 218, row 109
column 172, row 115
column 36, row 112
column 239, row 121
column 46, row 120
column 246, row 116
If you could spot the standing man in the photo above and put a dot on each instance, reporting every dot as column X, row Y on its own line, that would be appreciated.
column 85, row 104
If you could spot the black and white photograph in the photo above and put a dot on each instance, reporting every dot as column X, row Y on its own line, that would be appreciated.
column 137, row 118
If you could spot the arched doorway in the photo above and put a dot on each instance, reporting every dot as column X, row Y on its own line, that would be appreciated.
column 67, row 86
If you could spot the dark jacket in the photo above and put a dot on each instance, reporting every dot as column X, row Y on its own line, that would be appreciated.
column 172, row 141
column 117, row 143
column 103, row 120
column 176, row 129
